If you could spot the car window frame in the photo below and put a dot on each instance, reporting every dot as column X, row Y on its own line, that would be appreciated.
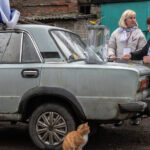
column 62, row 52
column 21, row 45
column 12, row 31
column 35, row 46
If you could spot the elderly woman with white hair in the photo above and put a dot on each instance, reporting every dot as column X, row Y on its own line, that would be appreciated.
column 127, row 38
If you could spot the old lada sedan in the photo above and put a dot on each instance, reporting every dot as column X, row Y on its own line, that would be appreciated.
column 47, row 80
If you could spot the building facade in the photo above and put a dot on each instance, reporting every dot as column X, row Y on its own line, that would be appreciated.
column 70, row 14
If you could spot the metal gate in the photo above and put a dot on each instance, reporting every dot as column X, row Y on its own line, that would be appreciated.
column 111, row 13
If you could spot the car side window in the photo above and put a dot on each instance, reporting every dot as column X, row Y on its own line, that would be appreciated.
column 29, row 53
column 4, row 38
column 10, row 45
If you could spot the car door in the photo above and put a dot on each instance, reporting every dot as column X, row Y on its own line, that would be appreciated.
column 20, row 67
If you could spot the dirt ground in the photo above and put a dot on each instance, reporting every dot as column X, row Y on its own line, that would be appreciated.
column 108, row 137
column 125, row 137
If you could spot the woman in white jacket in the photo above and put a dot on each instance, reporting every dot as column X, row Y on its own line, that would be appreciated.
column 127, row 38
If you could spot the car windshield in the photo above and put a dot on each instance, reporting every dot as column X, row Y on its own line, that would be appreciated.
column 70, row 44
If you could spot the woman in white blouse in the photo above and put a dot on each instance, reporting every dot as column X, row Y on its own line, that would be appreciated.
column 127, row 38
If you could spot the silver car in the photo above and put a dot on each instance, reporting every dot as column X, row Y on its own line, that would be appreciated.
column 48, row 81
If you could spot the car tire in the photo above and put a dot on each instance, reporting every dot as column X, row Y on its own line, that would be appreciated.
column 49, row 124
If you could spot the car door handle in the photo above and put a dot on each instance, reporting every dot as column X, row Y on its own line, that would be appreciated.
column 29, row 73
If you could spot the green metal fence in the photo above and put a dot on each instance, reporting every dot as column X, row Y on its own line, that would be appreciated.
column 111, row 13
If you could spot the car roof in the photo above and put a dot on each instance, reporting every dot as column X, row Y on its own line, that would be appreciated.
column 41, row 35
column 32, row 27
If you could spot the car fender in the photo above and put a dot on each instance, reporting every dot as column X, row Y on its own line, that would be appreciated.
column 38, row 91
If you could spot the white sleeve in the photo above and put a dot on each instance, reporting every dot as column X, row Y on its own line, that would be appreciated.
column 112, row 44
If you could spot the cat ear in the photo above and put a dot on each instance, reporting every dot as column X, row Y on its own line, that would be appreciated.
column 86, row 123
column 81, row 126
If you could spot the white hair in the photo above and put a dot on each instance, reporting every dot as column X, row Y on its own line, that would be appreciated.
column 126, row 14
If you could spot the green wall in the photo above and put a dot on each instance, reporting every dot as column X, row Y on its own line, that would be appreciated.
column 112, row 12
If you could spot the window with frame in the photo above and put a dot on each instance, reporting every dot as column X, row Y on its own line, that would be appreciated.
column 10, row 47
column 29, row 53
column 70, row 44
column 85, row 9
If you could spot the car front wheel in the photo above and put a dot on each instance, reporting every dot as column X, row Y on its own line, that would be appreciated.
column 49, row 124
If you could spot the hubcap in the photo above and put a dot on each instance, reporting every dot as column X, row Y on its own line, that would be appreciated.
column 51, row 128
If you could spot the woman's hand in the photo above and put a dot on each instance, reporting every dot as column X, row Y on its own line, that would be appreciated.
column 146, row 59
column 126, row 56
column 112, row 57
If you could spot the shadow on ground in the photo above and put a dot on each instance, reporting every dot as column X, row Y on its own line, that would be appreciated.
column 126, row 137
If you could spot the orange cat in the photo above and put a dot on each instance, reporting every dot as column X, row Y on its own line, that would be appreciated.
column 75, row 140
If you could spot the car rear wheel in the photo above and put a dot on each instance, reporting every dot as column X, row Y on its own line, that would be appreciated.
column 49, row 124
